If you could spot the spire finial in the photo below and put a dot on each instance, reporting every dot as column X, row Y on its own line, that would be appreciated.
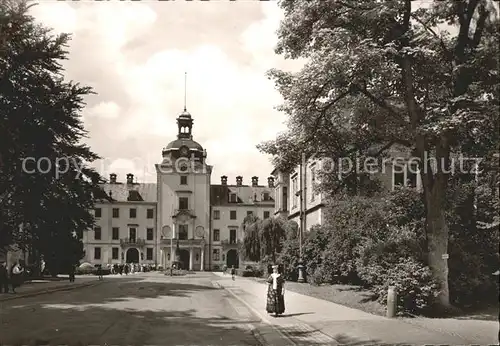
column 185, row 90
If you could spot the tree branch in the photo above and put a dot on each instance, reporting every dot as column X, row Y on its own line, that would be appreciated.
column 323, row 112
column 441, row 42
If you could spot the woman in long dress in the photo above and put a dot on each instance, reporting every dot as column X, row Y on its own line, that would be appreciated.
column 275, row 293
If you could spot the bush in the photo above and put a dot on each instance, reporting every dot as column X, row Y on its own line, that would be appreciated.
column 85, row 270
column 415, row 287
column 248, row 273
column 103, row 272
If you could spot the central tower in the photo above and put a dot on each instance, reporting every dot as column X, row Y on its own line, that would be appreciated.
column 183, row 180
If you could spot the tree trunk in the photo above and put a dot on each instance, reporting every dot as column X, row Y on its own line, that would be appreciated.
column 437, row 242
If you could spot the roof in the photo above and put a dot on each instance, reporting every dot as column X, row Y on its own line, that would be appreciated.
column 120, row 192
column 219, row 194
column 176, row 144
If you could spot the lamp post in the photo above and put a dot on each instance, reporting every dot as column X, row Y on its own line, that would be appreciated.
column 302, row 190
column 172, row 249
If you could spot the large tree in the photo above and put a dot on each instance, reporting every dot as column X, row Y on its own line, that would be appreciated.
column 385, row 73
column 42, row 207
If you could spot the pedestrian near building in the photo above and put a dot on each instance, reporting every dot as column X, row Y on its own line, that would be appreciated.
column 99, row 272
column 4, row 278
column 275, row 293
column 71, row 273
column 233, row 272
column 16, row 276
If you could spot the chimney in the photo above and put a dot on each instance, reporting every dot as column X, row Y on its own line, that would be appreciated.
column 130, row 178
column 239, row 180
column 223, row 180
column 255, row 181
column 112, row 178
column 270, row 181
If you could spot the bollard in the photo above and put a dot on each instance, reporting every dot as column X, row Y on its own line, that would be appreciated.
column 391, row 302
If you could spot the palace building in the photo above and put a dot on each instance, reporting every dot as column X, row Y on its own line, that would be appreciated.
column 180, row 217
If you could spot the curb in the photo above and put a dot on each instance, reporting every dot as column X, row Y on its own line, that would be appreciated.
column 254, row 330
column 48, row 291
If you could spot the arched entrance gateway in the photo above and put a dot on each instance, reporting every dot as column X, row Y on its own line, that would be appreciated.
column 232, row 259
column 132, row 255
column 184, row 259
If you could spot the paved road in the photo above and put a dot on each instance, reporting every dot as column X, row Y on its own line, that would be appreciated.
column 147, row 310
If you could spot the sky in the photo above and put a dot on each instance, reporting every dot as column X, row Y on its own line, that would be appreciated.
column 135, row 55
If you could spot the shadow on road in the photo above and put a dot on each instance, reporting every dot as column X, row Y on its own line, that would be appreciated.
column 350, row 341
column 130, row 313
column 142, row 289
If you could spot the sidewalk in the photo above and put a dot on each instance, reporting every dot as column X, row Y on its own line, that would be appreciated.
column 36, row 287
column 309, row 320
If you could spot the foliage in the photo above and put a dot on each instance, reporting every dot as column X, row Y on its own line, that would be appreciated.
column 263, row 240
column 473, row 250
column 40, row 118
column 250, row 248
column 379, row 74
column 272, row 235
column 415, row 287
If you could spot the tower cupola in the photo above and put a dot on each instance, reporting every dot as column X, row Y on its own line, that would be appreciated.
column 185, row 125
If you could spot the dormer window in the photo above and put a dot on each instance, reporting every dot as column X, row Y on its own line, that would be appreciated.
column 232, row 198
column 134, row 195
column 266, row 196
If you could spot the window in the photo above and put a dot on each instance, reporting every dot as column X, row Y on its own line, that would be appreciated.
column 216, row 235
column 149, row 254
column 232, row 236
column 115, row 233
column 216, row 214
column 133, row 213
column 116, row 213
column 97, row 253
column 411, row 175
column 266, row 196
column 233, row 198
column 114, row 253
column 216, row 255
column 98, row 212
column 285, row 198
column 398, row 175
column 249, row 213
column 183, row 232
column 184, row 180
column 313, row 181
column 183, row 203
column 294, row 192
column 97, row 233
column 150, row 213
column 232, row 215
column 132, row 233
column 266, row 215
column 79, row 234
column 149, row 234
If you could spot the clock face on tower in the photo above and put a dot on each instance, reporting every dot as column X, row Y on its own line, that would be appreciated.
column 184, row 151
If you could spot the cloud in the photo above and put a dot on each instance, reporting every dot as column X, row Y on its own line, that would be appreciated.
column 108, row 110
column 134, row 55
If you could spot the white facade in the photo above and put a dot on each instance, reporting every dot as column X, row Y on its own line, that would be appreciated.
column 125, row 230
column 295, row 191
column 230, row 205
column 181, row 217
